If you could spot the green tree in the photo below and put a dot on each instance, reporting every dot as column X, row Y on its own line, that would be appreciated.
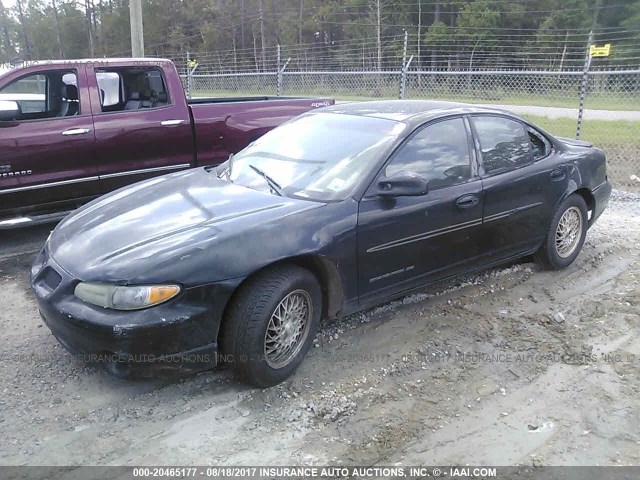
column 477, row 26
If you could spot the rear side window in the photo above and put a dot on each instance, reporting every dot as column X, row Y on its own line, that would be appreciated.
column 504, row 143
column 439, row 152
column 131, row 88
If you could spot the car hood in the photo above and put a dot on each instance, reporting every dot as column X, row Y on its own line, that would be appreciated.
column 165, row 224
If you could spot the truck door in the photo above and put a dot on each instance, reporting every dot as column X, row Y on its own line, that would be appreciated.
column 47, row 153
column 142, row 130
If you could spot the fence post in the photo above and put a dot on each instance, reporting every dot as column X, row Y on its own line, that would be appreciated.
column 279, row 81
column 281, row 73
column 192, row 65
column 403, row 71
column 583, row 84
column 188, row 76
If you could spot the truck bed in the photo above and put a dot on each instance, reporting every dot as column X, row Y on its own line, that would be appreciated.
column 225, row 125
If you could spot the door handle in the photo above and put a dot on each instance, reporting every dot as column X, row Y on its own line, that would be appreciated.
column 558, row 174
column 467, row 201
column 172, row 123
column 76, row 131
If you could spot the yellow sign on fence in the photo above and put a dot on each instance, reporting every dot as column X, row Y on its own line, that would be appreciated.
column 600, row 51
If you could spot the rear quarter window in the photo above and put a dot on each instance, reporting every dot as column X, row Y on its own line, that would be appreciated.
column 540, row 146
column 504, row 143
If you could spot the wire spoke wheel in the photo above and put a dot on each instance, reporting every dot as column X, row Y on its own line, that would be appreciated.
column 568, row 232
column 288, row 329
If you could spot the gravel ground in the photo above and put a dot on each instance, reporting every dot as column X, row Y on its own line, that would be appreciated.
column 515, row 366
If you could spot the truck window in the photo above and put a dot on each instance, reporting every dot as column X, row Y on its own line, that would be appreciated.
column 44, row 95
column 131, row 88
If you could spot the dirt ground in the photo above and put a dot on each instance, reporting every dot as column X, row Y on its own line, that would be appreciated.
column 515, row 366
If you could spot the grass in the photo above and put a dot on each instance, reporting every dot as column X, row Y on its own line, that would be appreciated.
column 610, row 132
column 600, row 132
column 610, row 102
column 597, row 103
column 618, row 132
column 618, row 138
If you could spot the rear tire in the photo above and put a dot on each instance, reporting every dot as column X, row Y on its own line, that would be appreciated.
column 271, row 323
column 566, row 234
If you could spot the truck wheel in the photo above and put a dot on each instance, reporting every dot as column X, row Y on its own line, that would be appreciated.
column 270, row 324
column 566, row 234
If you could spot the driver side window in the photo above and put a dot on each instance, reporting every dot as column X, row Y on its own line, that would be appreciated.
column 439, row 152
column 29, row 92
column 49, row 94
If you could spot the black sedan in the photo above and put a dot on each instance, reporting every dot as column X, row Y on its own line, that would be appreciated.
column 333, row 212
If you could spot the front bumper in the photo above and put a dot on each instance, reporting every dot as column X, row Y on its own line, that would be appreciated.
column 601, row 194
column 179, row 335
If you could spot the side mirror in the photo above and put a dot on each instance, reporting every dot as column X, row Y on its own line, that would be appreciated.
column 9, row 110
column 402, row 184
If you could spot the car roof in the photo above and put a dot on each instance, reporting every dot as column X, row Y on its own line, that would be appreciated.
column 408, row 111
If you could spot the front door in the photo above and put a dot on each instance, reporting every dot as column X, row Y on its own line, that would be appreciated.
column 47, row 160
column 407, row 241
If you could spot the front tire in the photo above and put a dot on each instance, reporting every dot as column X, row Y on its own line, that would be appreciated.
column 271, row 323
column 566, row 234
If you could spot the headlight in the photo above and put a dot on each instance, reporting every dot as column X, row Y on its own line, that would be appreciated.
column 125, row 298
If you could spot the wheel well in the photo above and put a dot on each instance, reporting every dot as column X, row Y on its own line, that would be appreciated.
column 324, row 270
column 330, row 282
column 589, row 199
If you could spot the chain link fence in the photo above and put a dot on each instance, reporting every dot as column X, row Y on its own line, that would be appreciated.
column 551, row 99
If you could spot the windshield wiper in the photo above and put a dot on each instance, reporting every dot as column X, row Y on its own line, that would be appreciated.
column 270, row 181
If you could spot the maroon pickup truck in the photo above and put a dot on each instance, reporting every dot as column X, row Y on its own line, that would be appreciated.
column 73, row 130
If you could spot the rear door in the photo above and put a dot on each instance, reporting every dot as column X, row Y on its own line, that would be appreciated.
column 47, row 157
column 522, row 182
column 142, row 130
column 407, row 241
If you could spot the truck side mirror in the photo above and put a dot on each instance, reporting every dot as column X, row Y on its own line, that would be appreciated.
column 9, row 110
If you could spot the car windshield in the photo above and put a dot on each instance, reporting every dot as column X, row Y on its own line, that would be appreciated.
column 319, row 157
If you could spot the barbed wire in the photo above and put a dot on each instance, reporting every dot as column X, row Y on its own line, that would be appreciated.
column 364, row 55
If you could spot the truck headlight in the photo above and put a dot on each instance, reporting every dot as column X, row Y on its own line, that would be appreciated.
column 125, row 297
